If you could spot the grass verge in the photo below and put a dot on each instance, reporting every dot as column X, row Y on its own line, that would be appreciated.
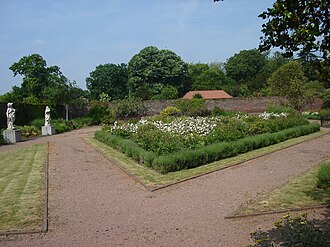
column 298, row 193
column 153, row 179
column 22, row 192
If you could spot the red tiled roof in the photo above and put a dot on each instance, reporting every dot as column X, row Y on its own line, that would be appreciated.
column 208, row 94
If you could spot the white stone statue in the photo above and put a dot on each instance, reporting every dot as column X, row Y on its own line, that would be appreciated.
column 10, row 116
column 47, row 116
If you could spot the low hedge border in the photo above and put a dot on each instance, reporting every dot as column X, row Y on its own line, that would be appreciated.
column 186, row 159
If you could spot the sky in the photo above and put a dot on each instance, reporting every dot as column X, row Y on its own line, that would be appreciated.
column 78, row 35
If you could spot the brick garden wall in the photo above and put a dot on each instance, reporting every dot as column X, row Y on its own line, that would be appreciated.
column 250, row 104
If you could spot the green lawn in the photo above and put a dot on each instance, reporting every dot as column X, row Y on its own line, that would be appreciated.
column 297, row 193
column 153, row 179
column 22, row 188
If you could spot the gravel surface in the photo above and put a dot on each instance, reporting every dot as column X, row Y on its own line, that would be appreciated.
column 93, row 203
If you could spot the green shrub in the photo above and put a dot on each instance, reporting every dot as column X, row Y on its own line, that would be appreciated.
column 170, row 111
column 128, row 108
column 197, row 96
column 152, row 139
column 82, row 122
column 62, row 125
column 37, row 122
column 280, row 108
column 192, row 107
column 324, row 112
column 99, row 112
column 323, row 176
column 130, row 148
column 298, row 231
column 185, row 159
column 29, row 131
column 2, row 140
column 217, row 111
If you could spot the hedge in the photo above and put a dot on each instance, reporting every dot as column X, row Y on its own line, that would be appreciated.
column 186, row 159
column 130, row 148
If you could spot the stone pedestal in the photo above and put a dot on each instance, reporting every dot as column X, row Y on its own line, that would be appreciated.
column 12, row 136
column 47, row 130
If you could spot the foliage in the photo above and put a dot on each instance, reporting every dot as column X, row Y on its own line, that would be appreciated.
column 311, row 115
column 82, row 122
column 217, row 111
column 192, row 107
column 99, row 112
column 323, row 176
column 245, row 66
column 129, row 147
column 289, row 81
column 104, row 97
column 325, row 96
column 170, row 111
column 2, row 140
column 181, row 134
column 62, row 125
column 29, row 131
column 280, row 108
column 192, row 158
column 297, row 26
column 289, row 231
column 208, row 77
column 42, row 84
column 128, row 108
column 110, row 79
column 166, row 92
column 197, row 96
column 152, row 68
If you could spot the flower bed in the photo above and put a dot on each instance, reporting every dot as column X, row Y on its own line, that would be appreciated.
column 171, row 144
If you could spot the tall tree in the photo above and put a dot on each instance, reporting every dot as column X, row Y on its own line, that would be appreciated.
column 289, row 81
column 297, row 25
column 206, row 77
column 153, row 68
column 41, row 83
column 35, row 74
column 245, row 66
column 110, row 79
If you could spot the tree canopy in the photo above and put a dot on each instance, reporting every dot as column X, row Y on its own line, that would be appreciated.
column 110, row 79
column 42, row 83
column 152, row 68
column 289, row 81
column 245, row 66
column 297, row 25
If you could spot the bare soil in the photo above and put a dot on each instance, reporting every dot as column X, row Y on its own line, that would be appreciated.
column 93, row 203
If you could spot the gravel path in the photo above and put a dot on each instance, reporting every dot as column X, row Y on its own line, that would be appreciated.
column 93, row 203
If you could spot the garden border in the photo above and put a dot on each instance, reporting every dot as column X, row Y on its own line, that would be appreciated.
column 44, row 227
column 155, row 188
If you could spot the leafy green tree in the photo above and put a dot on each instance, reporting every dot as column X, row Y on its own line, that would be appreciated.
column 245, row 66
column 152, row 67
column 206, row 77
column 36, row 74
column 297, row 25
column 42, row 84
column 289, row 81
column 167, row 92
column 110, row 79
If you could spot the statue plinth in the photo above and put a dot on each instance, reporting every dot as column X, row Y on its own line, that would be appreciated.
column 12, row 135
column 48, row 130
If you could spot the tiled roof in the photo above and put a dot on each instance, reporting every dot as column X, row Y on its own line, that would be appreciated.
column 208, row 94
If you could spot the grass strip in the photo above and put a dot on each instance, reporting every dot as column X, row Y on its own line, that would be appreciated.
column 154, row 179
column 22, row 189
column 300, row 192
